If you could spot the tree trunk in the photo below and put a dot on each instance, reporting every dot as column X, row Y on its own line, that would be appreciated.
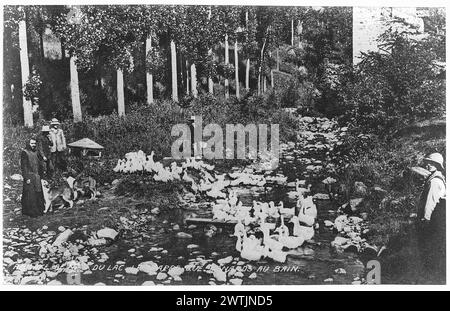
column 247, row 64
column 247, row 74
column 299, row 32
column 272, row 83
column 236, row 68
column 210, row 80
column 148, row 46
column 278, row 59
column 271, row 73
column 174, row 71
column 120, row 94
column 194, row 81
column 292, row 32
column 260, row 65
column 25, row 69
column 227, row 90
column 75, row 91
column 187, row 77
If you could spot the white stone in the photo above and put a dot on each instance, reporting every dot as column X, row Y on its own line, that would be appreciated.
column 339, row 241
column 148, row 267
column 225, row 260
column 161, row 276
column 148, row 283
column 107, row 233
column 183, row 235
column 63, row 237
column 131, row 270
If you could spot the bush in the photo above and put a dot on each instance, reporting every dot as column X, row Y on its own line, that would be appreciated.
column 395, row 88
column 385, row 164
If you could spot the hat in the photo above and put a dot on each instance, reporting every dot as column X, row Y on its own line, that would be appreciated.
column 54, row 121
column 45, row 128
column 435, row 158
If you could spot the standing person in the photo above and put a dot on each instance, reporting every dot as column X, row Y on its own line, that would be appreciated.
column 44, row 143
column 59, row 145
column 431, row 215
column 32, row 196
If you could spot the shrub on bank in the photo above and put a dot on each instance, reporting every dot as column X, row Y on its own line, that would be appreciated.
column 386, row 166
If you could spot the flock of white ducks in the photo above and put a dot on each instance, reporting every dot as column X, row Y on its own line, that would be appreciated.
column 229, row 208
column 271, row 245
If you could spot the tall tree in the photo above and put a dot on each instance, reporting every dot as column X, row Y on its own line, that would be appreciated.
column 75, row 91
column 25, row 69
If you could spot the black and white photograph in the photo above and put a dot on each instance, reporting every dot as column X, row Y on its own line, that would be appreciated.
column 209, row 144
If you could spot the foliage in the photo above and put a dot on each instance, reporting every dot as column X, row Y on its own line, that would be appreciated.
column 394, row 88
column 33, row 86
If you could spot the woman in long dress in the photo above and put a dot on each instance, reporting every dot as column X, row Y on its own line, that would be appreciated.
column 32, row 197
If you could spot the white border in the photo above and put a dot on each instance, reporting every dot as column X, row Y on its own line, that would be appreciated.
column 224, row 288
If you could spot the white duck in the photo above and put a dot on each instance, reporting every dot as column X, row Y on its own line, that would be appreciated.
column 252, row 249
column 306, row 232
column 307, row 206
column 276, row 255
column 273, row 210
column 119, row 166
column 288, row 241
column 269, row 240
column 175, row 171
column 239, row 228
column 188, row 178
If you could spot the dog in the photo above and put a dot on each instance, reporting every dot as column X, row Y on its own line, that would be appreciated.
column 64, row 192
column 85, row 186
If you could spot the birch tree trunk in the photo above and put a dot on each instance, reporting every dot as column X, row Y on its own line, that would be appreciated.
column 120, row 94
column 210, row 80
column 260, row 65
column 272, row 83
column 247, row 64
column 292, row 32
column 247, row 74
column 148, row 46
column 227, row 89
column 187, row 77
column 25, row 70
column 278, row 59
column 174, row 71
column 194, row 81
column 236, row 68
column 75, row 91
